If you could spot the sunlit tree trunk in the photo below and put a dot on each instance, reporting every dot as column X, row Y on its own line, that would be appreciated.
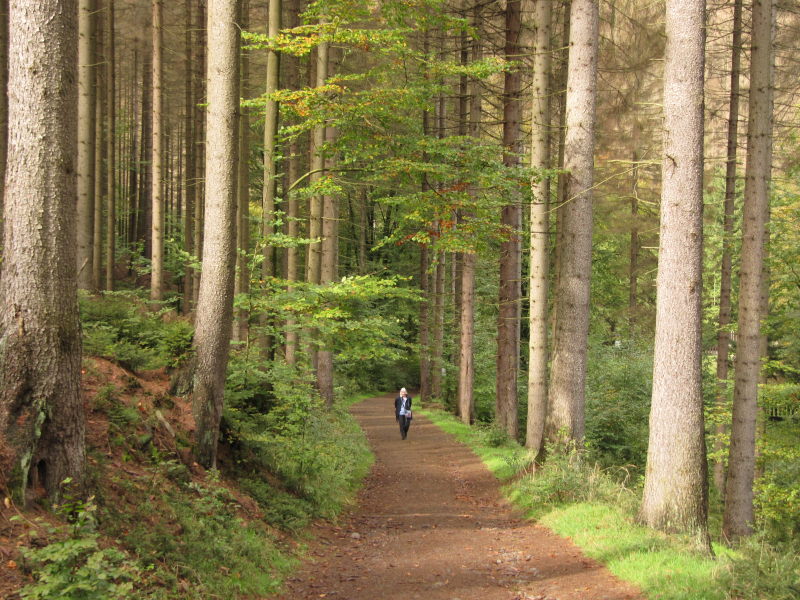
column 676, row 488
column 111, row 157
column 270, row 132
column 566, row 401
column 243, row 211
column 156, row 158
column 328, row 274
column 726, row 269
column 466, row 361
column 41, row 411
column 99, row 151
column 189, row 184
column 3, row 109
column 86, row 101
column 738, row 517
column 437, row 323
column 199, row 136
column 539, row 228
column 508, row 324
column 215, row 302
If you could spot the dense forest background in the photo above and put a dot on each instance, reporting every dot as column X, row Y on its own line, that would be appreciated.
column 522, row 210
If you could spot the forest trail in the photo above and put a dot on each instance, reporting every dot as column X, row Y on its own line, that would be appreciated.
column 431, row 524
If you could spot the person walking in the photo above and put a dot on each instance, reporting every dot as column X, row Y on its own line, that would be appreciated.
column 402, row 412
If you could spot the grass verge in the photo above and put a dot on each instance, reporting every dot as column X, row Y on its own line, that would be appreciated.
column 594, row 510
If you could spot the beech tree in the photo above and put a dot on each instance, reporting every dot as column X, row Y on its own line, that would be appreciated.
column 675, row 486
column 214, row 319
column 41, row 412
column 739, row 516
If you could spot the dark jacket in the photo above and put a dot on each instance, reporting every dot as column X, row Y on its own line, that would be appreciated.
column 397, row 403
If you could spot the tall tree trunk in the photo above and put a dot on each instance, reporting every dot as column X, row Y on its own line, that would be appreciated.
column 3, row 110
column 539, row 229
column 41, row 411
column 317, row 166
column 144, row 200
column 133, row 161
column 738, row 517
column 243, row 211
column 566, row 402
column 437, row 361
column 86, row 101
column 676, row 488
column 199, row 137
column 508, row 324
column 270, row 133
column 292, row 174
column 465, row 399
column 633, row 265
column 157, row 157
column 723, row 333
column 328, row 274
column 189, row 183
column 215, row 303
column 424, row 323
column 99, row 152
column 111, row 158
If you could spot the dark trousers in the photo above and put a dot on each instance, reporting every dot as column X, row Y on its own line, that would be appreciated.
column 404, row 425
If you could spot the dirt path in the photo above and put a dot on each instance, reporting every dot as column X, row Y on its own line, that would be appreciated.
column 431, row 524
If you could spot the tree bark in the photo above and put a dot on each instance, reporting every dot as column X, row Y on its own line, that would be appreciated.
column 726, row 269
column 437, row 362
column 3, row 111
column 328, row 274
column 676, row 488
column 99, row 152
column 566, row 402
column 199, row 137
column 739, row 516
column 317, row 166
column 539, row 229
column 157, row 157
column 111, row 158
column 508, row 324
column 215, row 302
column 243, row 211
column 189, row 183
column 270, row 133
column 41, row 411
column 86, row 101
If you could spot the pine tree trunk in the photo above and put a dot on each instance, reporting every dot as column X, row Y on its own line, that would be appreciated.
column 189, row 183
column 215, row 302
column 317, row 166
column 328, row 274
column 144, row 200
column 270, row 132
column 99, row 152
column 157, row 157
column 726, row 268
column 86, row 110
column 41, row 411
column 676, row 488
column 739, row 517
column 566, row 402
column 424, row 328
column 3, row 110
column 508, row 324
column 437, row 362
column 199, row 137
column 633, row 265
column 539, row 229
column 111, row 158
column 243, row 211
column 465, row 400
